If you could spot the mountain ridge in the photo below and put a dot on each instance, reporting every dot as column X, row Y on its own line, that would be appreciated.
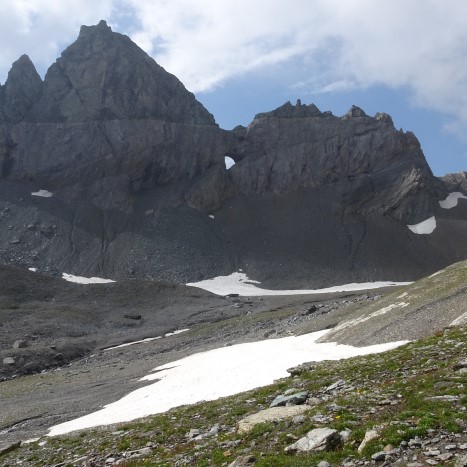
column 131, row 157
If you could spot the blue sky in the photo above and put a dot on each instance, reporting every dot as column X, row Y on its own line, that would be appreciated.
column 407, row 58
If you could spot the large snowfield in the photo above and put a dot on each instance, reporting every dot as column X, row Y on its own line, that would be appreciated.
column 240, row 284
column 217, row 373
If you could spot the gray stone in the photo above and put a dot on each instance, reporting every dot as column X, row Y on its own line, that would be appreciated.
column 432, row 452
column 443, row 398
column 269, row 415
column 379, row 456
column 299, row 419
column 243, row 461
column 461, row 461
column 294, row 399
column 369, row 436
column 319, row 439
column 460, row 364
column 337, row 385
column 324, row 464
column 19, row 344
column 299, row 369
column 445, row 456
column 193, row 433
column 8, row 361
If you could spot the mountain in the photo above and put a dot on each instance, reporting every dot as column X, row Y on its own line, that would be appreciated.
column 109, row 167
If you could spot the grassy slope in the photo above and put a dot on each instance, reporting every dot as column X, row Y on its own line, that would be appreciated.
column 417, row 310
column 405, row 376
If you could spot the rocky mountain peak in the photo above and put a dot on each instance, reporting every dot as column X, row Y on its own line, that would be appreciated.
column 354, row 112
column 22, row 88
column 288, row 110
column 103, row 75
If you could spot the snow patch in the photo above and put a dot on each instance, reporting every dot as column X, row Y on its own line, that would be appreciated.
column 239, row 283
column 32, row 269
column 436, row 273
column 452, row 200
column 460, row 321
column 424, row 228
column 211, row 216
column 217, row 373
column 85, row 280
column 42, row 194
column 229, row 162
column 362, row 319
column 146, row 340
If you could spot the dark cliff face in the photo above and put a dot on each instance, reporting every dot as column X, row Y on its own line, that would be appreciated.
column 140, row 188
column 107, row 121
column 374, row 165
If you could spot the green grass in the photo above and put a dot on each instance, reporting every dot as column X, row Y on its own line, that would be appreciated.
column 408, row 376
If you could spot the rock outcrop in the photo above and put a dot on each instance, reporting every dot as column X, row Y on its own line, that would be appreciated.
column 373, row 165
column 134, row 171
column 106, row 116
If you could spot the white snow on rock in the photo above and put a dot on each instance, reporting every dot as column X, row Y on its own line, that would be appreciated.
column 229, row 162
column 32, row 269
column 460, row 320
column 85, row 280
column 211, row 216
column 239, row 283
column 217, row 373
column 424, row 228
column 362, row 319
column 452, row 199
column 147, row 339
column 42, row 194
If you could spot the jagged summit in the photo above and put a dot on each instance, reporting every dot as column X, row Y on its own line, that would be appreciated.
column 288, row 110
column 103, row 75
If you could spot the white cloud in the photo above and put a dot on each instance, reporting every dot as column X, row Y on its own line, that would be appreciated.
column 417, row 44
column 42, row 28
column 420, row 45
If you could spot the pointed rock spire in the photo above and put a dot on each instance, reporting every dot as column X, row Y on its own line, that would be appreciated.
column 22, row 89
column 103, row 75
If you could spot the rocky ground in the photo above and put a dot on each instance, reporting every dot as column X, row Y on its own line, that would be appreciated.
column 403, row 407
column 36, row 397
column 54, row 335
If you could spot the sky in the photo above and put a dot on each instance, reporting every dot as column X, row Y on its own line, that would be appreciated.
column 407, row 58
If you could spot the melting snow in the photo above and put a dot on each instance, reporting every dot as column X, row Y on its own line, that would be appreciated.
column 451, row 200
column 217, row 373
column 425, row 227
column 85, row 280
column 362, row 319
column 148, row 339
column 436, row 273
column 229, row 162
column 238, row 282
column 461, row 320
column 42, row 193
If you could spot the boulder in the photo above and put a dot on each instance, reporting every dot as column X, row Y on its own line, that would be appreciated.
column 292, row 399
column 243, row 461
column 274, row 414
column 20, row 344
column 319, row 439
